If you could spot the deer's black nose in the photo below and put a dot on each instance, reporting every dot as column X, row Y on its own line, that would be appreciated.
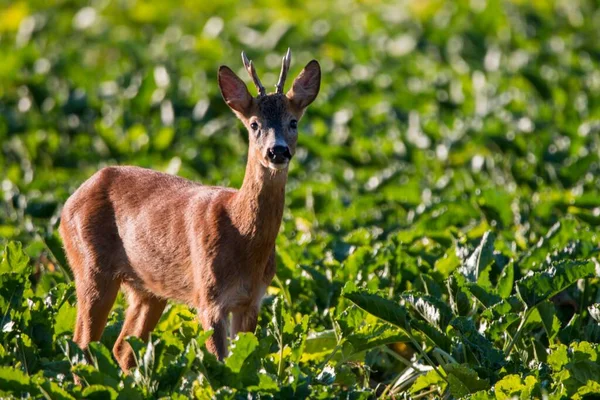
column 279, row 154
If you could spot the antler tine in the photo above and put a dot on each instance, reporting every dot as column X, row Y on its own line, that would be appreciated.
column 252, row 72
column 285, row 66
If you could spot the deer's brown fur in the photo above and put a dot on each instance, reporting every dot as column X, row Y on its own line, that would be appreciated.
column 161, row 237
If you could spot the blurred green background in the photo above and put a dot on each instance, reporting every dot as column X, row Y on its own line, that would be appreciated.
column 420, row 101
column 436, row 122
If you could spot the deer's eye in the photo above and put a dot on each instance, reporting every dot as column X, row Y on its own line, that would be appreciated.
column 293, row 124
column 254, row 126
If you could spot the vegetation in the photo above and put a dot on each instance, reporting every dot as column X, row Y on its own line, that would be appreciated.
column 440, row 237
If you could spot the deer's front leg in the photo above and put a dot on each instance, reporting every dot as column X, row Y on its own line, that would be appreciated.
column 244, row 321
column 213, row 318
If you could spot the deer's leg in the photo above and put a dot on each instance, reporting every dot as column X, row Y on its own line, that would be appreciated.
column 215, row 319
column 247, row 319
column 95, row 297
column 142, row 315
column 244, row 321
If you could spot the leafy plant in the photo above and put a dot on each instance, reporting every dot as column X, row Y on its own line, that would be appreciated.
column 440, row 238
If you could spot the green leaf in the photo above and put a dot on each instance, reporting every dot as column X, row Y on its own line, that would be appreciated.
column 506, row 280
column 481, row 349
column 590, row 390
column 479, row 259
column 539, row 286
column 513, row 386
column 432, row 310
column 64, row 320
column 459, row 300
column 319, row 343
column 103, row 360
column 241, row 348
column 436, row 336
column 575, row 366
column 375, row 335
column 550, row 321
column 559, row 357
column 15, row 381
column 485, row 296
column 463, row 380
column 426, row 381
column 376, row 305
column 94, row 377
column 14, row 260
column 50, row 389
column 99, row 392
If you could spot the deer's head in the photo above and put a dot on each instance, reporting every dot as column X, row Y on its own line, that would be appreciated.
column 271, row 119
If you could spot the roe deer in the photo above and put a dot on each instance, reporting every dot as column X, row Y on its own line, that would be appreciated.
column 162, row 237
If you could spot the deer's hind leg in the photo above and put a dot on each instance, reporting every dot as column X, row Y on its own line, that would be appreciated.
column 95, row 297
column 143, row 313
column 96, row 289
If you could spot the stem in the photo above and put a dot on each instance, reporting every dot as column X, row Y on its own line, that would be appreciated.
column 330, row 356
column 518, row 332
column 437, row 352
column 280, row 365
column 286, row 295
column 434, row 390
column 409, row 380
column 398, row 357
column 426, row 357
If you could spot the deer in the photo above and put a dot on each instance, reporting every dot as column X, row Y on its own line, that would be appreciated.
column 159, row 237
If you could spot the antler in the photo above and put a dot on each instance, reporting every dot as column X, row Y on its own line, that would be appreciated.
column 252, row 72
column 285, row 66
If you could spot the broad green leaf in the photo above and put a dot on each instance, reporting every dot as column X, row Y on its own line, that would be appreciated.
column 575, row 366
column 459, row 300
column 539, row 286
column 92, row 376
column 380, row 307
column 319, row 343
column 558, row 357
column 506, row 281
column 463, row 380
column 373, row 336
column 436, row 336
column 100, row 392
column 426, row 381
column 103, row 360
column 591, row 389
column 549, row 319
column 14, row 260
column 480, row 348
column 15, row 381
column 485, row 296
column 51, row 389
column 64, row 319
column 241, row 348
column 432, row 310
column 514, row 387
column 479, row 259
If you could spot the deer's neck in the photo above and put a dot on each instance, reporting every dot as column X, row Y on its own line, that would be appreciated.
column 257, row 208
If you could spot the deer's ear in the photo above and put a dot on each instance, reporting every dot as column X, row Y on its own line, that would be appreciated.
column 306, row 86
column 234, row 90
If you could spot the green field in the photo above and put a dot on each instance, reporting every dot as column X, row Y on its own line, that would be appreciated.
column 441, row 231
